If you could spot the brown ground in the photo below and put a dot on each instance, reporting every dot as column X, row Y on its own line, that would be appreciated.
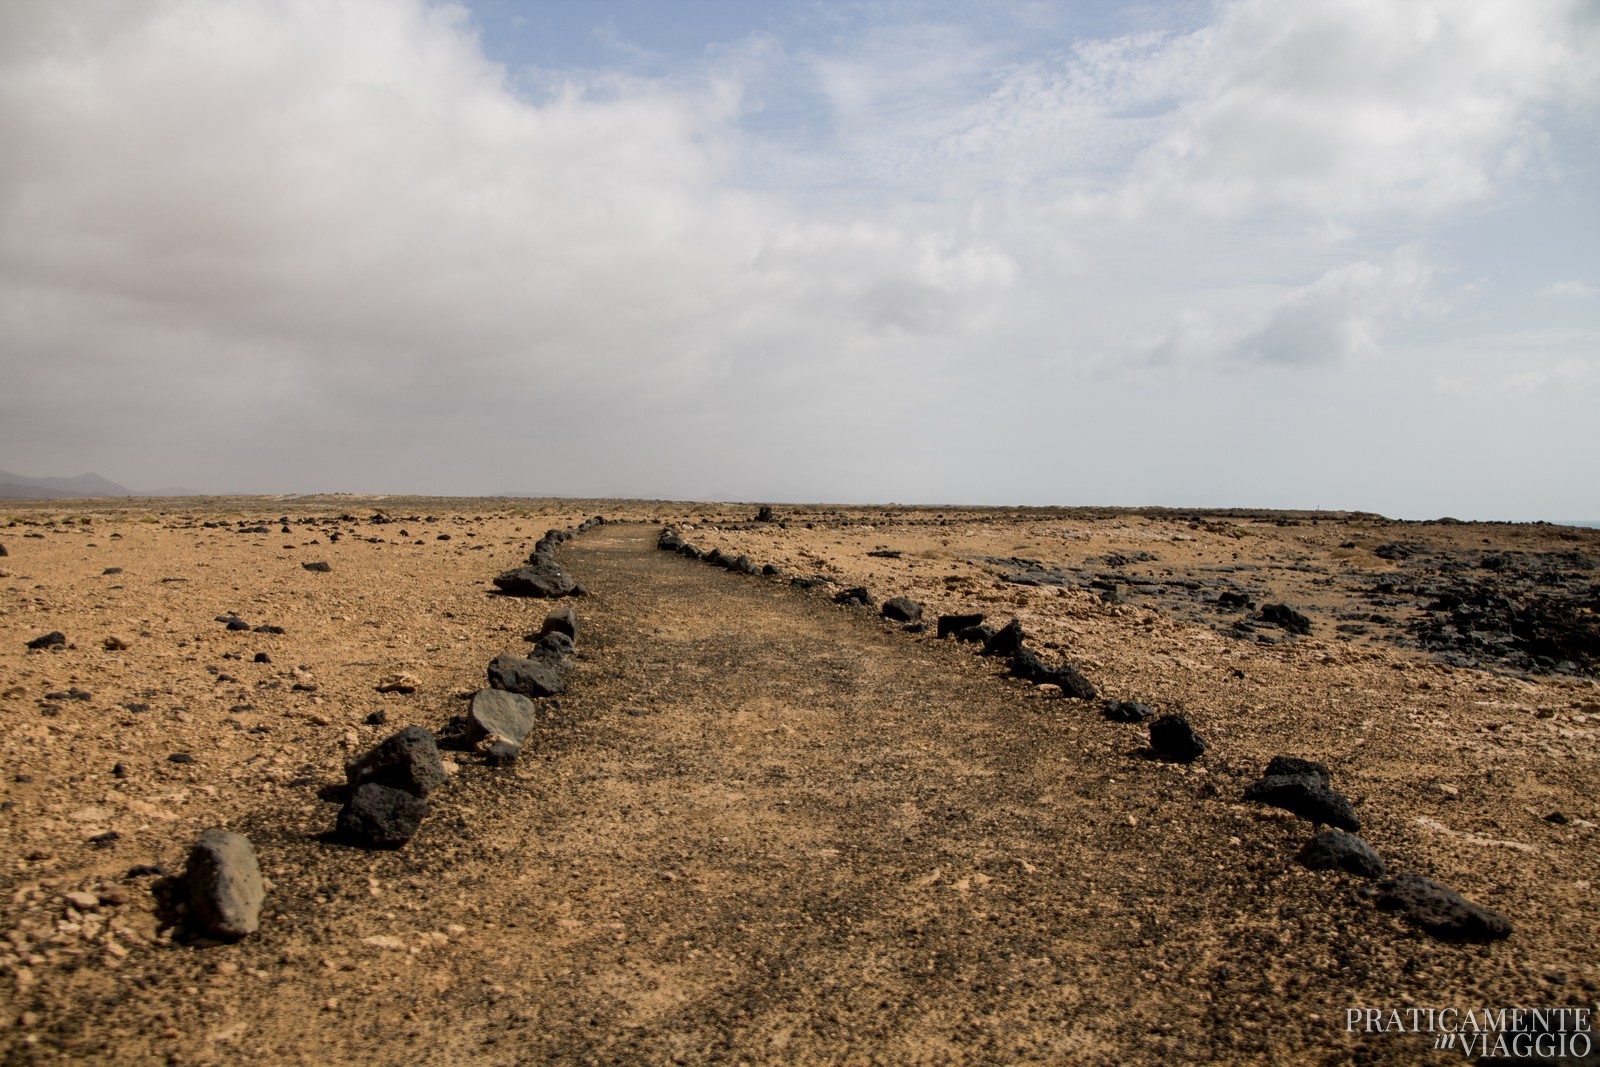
column 761, row 828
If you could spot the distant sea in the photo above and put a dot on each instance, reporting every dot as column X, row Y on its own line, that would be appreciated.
column 1573, row 522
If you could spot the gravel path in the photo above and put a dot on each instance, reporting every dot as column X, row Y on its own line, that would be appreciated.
column 785, row 831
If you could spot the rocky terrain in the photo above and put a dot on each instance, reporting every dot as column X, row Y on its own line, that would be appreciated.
column 784, row 809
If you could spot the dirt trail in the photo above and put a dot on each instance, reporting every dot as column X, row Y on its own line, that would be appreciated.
column 766, row 828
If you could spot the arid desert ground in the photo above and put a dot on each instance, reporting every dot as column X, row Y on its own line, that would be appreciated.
column 760, row 826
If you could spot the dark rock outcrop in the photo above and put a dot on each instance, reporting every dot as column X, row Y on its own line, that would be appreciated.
column 1295, row 765
column 1302, row 787
column 562, row 620
column 1286, row 617
column 980, row 634
column 554, row 647
column 1128, row 711
column 53, row 639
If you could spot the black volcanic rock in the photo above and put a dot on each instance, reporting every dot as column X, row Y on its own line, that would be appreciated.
column 1336, row 850
column 1128, row 711
column 1286, row 617
column 562, row 620
column 407, row 760
column 980, row 634
column 1295, row 765
column 541, row 576
column 954, row 624
column 553, row 647
column 1005, row 641
column 530, row 677
column 1174, row 740
column 902, row 609
column 1027, row 665
column 377, row 816
column 1307, row 795
column 1440, row 910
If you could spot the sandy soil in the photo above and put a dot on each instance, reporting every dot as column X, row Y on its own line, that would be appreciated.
column 763, row 827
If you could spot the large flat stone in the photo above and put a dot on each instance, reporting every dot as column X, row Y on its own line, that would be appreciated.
column 495, row 711
column 530, row 677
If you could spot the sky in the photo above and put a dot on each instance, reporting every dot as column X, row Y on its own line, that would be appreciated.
column 1338, row 254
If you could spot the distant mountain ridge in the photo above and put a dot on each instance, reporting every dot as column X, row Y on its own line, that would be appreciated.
column 22, row 487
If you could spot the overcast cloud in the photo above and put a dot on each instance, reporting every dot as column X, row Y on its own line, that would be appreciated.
column 1339, row 254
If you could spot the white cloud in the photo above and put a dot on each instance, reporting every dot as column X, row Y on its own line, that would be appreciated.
column 1341, row 316
column 1354, row 106
column 1576, row 289
column 1344, row 313
column 1334, row 108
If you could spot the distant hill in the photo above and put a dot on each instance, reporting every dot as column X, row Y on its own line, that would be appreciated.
column 22, row 487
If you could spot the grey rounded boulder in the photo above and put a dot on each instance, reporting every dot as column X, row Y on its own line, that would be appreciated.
column 224, row 883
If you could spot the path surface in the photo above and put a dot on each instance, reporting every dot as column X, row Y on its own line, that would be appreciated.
column 781, row 830
column 765, row 828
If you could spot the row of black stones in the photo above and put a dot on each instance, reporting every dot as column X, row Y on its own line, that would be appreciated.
column 387, row 786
